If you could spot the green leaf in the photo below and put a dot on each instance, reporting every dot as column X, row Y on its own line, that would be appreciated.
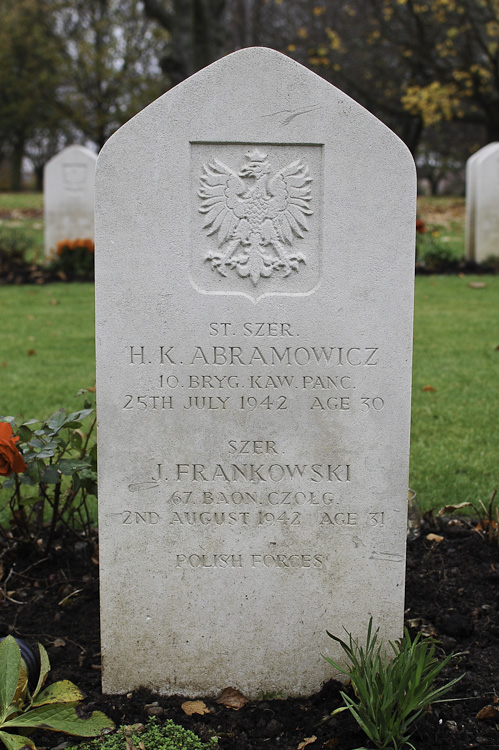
column 10, row 665
column 63, row 717
column 59, row 692
column 76, row 440
column 56, row 420
column 25, row 434
column 48, row 451
column 26, row 479
column 51, row 475
column 68, row 466
column 44, row 670
column 34, row 469
column 16, row 742
column 77, row 415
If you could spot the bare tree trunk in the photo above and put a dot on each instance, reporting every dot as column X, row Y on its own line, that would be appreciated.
column 197, row 33
column 17, row 164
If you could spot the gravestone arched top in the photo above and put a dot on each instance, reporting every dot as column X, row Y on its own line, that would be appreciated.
column 482, row 198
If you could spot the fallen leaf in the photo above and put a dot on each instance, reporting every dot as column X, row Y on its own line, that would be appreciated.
column 452, row 508
column 477, row 285
column 132, row 728
column 333, row 742
column 232, row 698
column 428, row 631
column 429, row 388
column 194, row 707
column 485, row 524
column 306, row 741
column 53, row 302
column 31, row 352
column 434, row 538
column 487, row 712
column 59, row 643
column 414, row 623
column 4, row 364
column 65, row 600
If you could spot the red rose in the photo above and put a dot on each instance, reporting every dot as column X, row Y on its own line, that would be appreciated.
column 10, row 458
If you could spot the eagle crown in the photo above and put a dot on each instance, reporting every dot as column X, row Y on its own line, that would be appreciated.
column 257, row 166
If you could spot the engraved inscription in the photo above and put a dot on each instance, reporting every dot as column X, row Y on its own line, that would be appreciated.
column 256, row 215
column 249, row 385
column 260, row 560
column 74, row 176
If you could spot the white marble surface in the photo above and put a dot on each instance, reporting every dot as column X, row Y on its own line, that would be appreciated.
column 68, row 196
column 255, row 264
column 482, row 203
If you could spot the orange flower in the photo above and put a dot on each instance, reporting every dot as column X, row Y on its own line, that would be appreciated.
column 10, row 458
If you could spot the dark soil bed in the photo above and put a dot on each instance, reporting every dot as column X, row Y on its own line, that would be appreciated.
column 452, row 594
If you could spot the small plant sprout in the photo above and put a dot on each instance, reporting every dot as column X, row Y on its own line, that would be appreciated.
column 392, row 693
column 488, row 517
column 56, row 707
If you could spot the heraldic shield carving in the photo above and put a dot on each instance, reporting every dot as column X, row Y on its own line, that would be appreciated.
column 256, row 230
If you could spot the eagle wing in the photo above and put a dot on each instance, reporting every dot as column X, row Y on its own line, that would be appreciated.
column 220, row 192
column 289, row 205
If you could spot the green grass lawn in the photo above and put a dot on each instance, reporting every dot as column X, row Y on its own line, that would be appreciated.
column 455, row 407
column 444, row 223
column 47, row 355
column 21, row 213
column 21, row 201
column 47, row 347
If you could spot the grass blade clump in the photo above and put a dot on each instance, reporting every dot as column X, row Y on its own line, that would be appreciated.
column 392, row 690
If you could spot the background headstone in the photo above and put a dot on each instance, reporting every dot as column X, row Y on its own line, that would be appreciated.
column 482, row 203
column 68, row 194
column 255, row 265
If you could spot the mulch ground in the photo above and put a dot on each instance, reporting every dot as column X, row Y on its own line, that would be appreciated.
column 452, row 595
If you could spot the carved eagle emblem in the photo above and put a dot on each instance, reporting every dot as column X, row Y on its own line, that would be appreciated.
column 256, row 215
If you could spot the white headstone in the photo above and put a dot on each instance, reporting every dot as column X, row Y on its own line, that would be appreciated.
column 482, row 201
column 255, row 265
column 68, row 192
